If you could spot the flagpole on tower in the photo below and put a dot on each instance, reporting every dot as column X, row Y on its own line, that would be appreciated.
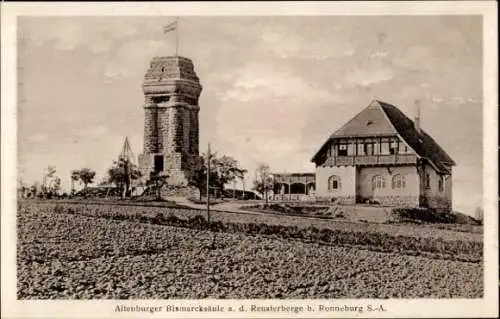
column 177, row 37
column 173, row 26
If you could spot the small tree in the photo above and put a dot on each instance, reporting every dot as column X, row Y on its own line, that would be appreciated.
column 35, row 189
column 75, row 177
column 51, row 183
column 198, row 176
column 22, row 190
column 264, row 181
column 55, row 186
column 121, row 174
column 227, row 171
column 223, row 170
column 85, row 176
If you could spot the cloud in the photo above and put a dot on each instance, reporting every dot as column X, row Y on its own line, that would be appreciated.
column 89, row 133
column 259, row 82
column 473, row 100
column 66, row 34
column 132, row 59
column 455, row 100
column 368, row 77
column 378, row 54
column 458, row 100
column 115, row 71
column 437, row 99
column 285, row 44
column 265, row 115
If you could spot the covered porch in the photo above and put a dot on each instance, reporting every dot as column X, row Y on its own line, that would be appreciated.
column 293, row 186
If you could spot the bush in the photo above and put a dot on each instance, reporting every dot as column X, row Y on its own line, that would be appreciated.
column 173, row 220
column 426, row 215
column 59, row 209
column 340, row 214
column 159, row 218
column 198, row 222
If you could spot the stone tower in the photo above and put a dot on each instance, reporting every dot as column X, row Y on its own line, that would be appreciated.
column 171, row 135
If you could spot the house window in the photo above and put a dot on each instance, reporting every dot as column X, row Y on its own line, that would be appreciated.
column 351, row 149
column 368, row 149
column 427, row 180
column 361, row 149
column 441, row 183
column 393, row 147
column 376, row 148
column 378, row 182
column 398, row 181
column 334, row 183
column 385, row 148
column 342, row 150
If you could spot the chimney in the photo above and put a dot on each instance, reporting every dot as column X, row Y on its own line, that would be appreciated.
column 417, row 117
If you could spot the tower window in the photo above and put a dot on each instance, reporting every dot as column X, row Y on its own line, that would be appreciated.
column 161, row 99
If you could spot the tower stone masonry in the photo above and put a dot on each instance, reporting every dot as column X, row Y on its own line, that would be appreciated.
column 171, row 125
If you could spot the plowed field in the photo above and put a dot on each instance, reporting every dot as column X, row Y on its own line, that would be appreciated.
column 78, row 256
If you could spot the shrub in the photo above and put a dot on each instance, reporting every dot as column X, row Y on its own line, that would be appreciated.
column 172, row 220
column 198, row 221
column 426, row 215
column 58, row 209
column 159, row 218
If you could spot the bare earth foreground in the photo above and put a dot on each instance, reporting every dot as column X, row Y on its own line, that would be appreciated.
column 78, row 256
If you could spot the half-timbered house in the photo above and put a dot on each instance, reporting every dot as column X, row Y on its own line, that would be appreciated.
column 382, row 156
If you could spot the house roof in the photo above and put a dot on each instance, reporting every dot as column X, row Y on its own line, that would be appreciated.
column 371, row 121
column 383, row 119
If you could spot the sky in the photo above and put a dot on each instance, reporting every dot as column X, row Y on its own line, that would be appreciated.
column 274, row 88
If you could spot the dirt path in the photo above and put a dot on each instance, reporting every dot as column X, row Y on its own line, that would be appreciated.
column 230, row 207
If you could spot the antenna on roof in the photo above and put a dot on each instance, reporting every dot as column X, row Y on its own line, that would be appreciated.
column 417, row 117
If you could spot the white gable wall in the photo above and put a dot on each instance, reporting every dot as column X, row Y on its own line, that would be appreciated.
column 347, row 175
column 434, row 196
column 388, row 195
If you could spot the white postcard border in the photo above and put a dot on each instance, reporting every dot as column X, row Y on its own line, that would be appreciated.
column 486, row 307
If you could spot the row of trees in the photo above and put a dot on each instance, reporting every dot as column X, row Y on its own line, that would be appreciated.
column 50, row 186
column 223, row 171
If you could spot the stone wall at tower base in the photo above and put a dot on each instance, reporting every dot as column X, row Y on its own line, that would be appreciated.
column 171, row 164
column 179, row 191
column 177, row 182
